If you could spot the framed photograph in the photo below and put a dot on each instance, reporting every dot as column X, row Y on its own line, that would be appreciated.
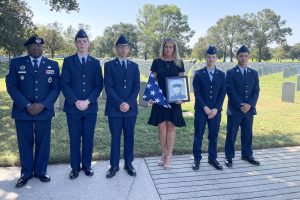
column 177, row 89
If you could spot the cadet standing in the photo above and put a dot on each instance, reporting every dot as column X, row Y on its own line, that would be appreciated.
column 122, row 85
column 210, row 90
column 242, row 86
column 33, row 84
column 81, row 84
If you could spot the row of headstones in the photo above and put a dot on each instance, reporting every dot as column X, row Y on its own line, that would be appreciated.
column 288, row 88
column 288, row 93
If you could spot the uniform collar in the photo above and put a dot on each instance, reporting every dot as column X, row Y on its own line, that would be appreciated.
column 242, row 68
column 82, row 56
column 211, row 70
column 122, row 59
column 38, row 59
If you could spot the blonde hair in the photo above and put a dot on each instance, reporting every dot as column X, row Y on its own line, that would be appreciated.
column 175, row 55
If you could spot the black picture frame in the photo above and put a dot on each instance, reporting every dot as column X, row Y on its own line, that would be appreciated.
column 175, row 94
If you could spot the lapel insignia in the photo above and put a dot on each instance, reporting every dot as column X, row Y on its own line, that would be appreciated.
column 49, row 79
column 237, row 70
column 22, row 77
column 22, row 67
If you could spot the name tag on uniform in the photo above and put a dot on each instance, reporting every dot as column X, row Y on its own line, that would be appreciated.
column 22, row 72
column 50, row 71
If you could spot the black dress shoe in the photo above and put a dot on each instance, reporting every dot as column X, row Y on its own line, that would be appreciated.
column 21, row 182
column 228, row 162
column 112, row 172
column 44, row 178
column 251, row 160
column 74, row 174
column 130, row 169
column 215, row 164
column 88, row 171
column 196, row 165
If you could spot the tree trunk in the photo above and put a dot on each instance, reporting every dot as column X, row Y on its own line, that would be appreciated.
column 259, row 53
column 52, row 54
column 230, row 53
column 9, row 56
column 224, row 55
column 145, row 55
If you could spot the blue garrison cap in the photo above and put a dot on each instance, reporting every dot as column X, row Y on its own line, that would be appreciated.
column 211, row 50
column 242, row 49
column 34, row 40
column 122, row 40
column 81, row 34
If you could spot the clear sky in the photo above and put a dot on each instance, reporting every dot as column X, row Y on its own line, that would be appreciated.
column 201, row 14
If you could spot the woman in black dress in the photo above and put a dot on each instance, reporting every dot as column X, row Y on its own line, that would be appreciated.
column 168, row 65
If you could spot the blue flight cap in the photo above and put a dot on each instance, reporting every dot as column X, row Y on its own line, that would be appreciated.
column 211, row 50
column 242, row 49
column 34, row 40
column 81, row 34
column 122, row 40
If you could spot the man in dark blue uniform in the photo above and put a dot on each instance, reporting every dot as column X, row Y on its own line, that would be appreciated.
column 210, row 91
column 242, row 85
column 177, row 93
column 122, row 84
column 81, row 84
column 33, row 84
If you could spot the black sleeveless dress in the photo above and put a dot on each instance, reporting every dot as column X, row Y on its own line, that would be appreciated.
column 160, row 114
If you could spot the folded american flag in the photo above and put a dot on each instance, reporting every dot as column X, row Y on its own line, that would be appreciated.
column 153, row 92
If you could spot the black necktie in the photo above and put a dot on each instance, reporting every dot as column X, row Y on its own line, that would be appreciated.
column 245, row 72
column 123, row 65
column 82, row 61
column 35, row 65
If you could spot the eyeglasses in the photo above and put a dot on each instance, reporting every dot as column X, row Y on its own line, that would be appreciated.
column 120, row 46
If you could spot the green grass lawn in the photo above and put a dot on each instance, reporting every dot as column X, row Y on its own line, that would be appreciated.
column 276, row 125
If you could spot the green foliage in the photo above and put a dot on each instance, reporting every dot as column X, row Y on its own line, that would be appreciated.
column 294, row 52
column 157, row 22
column 52, row 36
column 15, row 25
column 104, row 45
column 267, row 27
column 67, row 5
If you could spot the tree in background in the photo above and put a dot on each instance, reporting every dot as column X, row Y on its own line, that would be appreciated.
column 267, row 27
column 69, row 40
column 15, row 26
column 200, row 48
column 104, row 45
column 265, row 54
column 281, row 52
column 67, row 5
column 294, row 52
column 228, row 33
column 157, row 22
column 52, row 35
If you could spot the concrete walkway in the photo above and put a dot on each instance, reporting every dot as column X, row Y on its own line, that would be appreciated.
column 278, row 177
